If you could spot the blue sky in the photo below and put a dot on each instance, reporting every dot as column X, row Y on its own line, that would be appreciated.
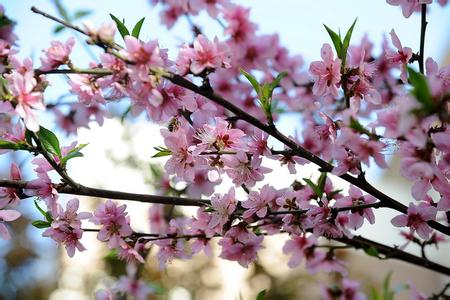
column 299, row 23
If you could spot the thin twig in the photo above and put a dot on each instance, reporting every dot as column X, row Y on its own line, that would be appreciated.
column 423, row 28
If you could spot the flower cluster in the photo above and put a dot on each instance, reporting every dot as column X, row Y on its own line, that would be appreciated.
column 354, row 103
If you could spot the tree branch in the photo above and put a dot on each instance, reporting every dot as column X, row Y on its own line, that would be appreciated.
column 423, row 28
column 81, row 190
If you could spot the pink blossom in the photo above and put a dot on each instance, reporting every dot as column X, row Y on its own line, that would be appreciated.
column 323, row 223
column 362, row 148
column 57, row 54
column 401, row 57
column 133, row 286
column 258, row 143
column 131, row 254
column 85, row 87
column 219, row 137
column 243, row 169
column 240, row 28
column 173, row 248
column 438, row 79
column 170, row 249
column 158, row 223
column 201, row 185
column 357, row 215
column 22, row 87
column 257, row 202
column 208, row 55
column 240, row 245
column 223, row 206
column 10, row 196
column 170, row 15
column 325, row 262
column 443, row 187
column 408, row 6
column 346, row 161
column 143, row 53
column 105, row 33
column 115, row 222
column 326, row 73
column 201, row 226
column 416, row 219
column 361, row 84
column 256, row 52
column 350, row 290
column 415, row 294
column 211, row 6
column 105, row 295
column 43, row 188
column 291, row 161
column 298, row 245
column 66, row 226
column 7, row 215
column 182, row 162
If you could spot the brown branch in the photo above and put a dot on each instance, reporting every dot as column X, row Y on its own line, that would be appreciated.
column 81, row 190
column 334, row 210
column 358, row 242
column 423, row 28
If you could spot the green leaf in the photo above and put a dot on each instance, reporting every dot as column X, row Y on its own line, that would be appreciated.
column 277, row 81
column 371, row 251
column 387, row 293
column 58, row 28
column 261, row 295
column 75, row 152
column 5, row 21
column 252, row 80
column 137, row 28
column 355, row 125
column 265, row 95
column 39, row 208
column 374, row 294
column 125, row 113
column 159, row 289
column 421, row 90
column 61, row 10
column 162, row 152
column 321, row 183
column 346, row 42
column 41, row 224
column 112, row 255
column 49, row 141
column 313, row 186
column 335, row 38
column 9, row 145
column 156, row 171
column 333, row 193
column 120, row 26
column 46, row 214
column 28, row 135
column 81, row 14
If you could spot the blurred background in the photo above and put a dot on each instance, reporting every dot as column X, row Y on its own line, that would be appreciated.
column 119, row 157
